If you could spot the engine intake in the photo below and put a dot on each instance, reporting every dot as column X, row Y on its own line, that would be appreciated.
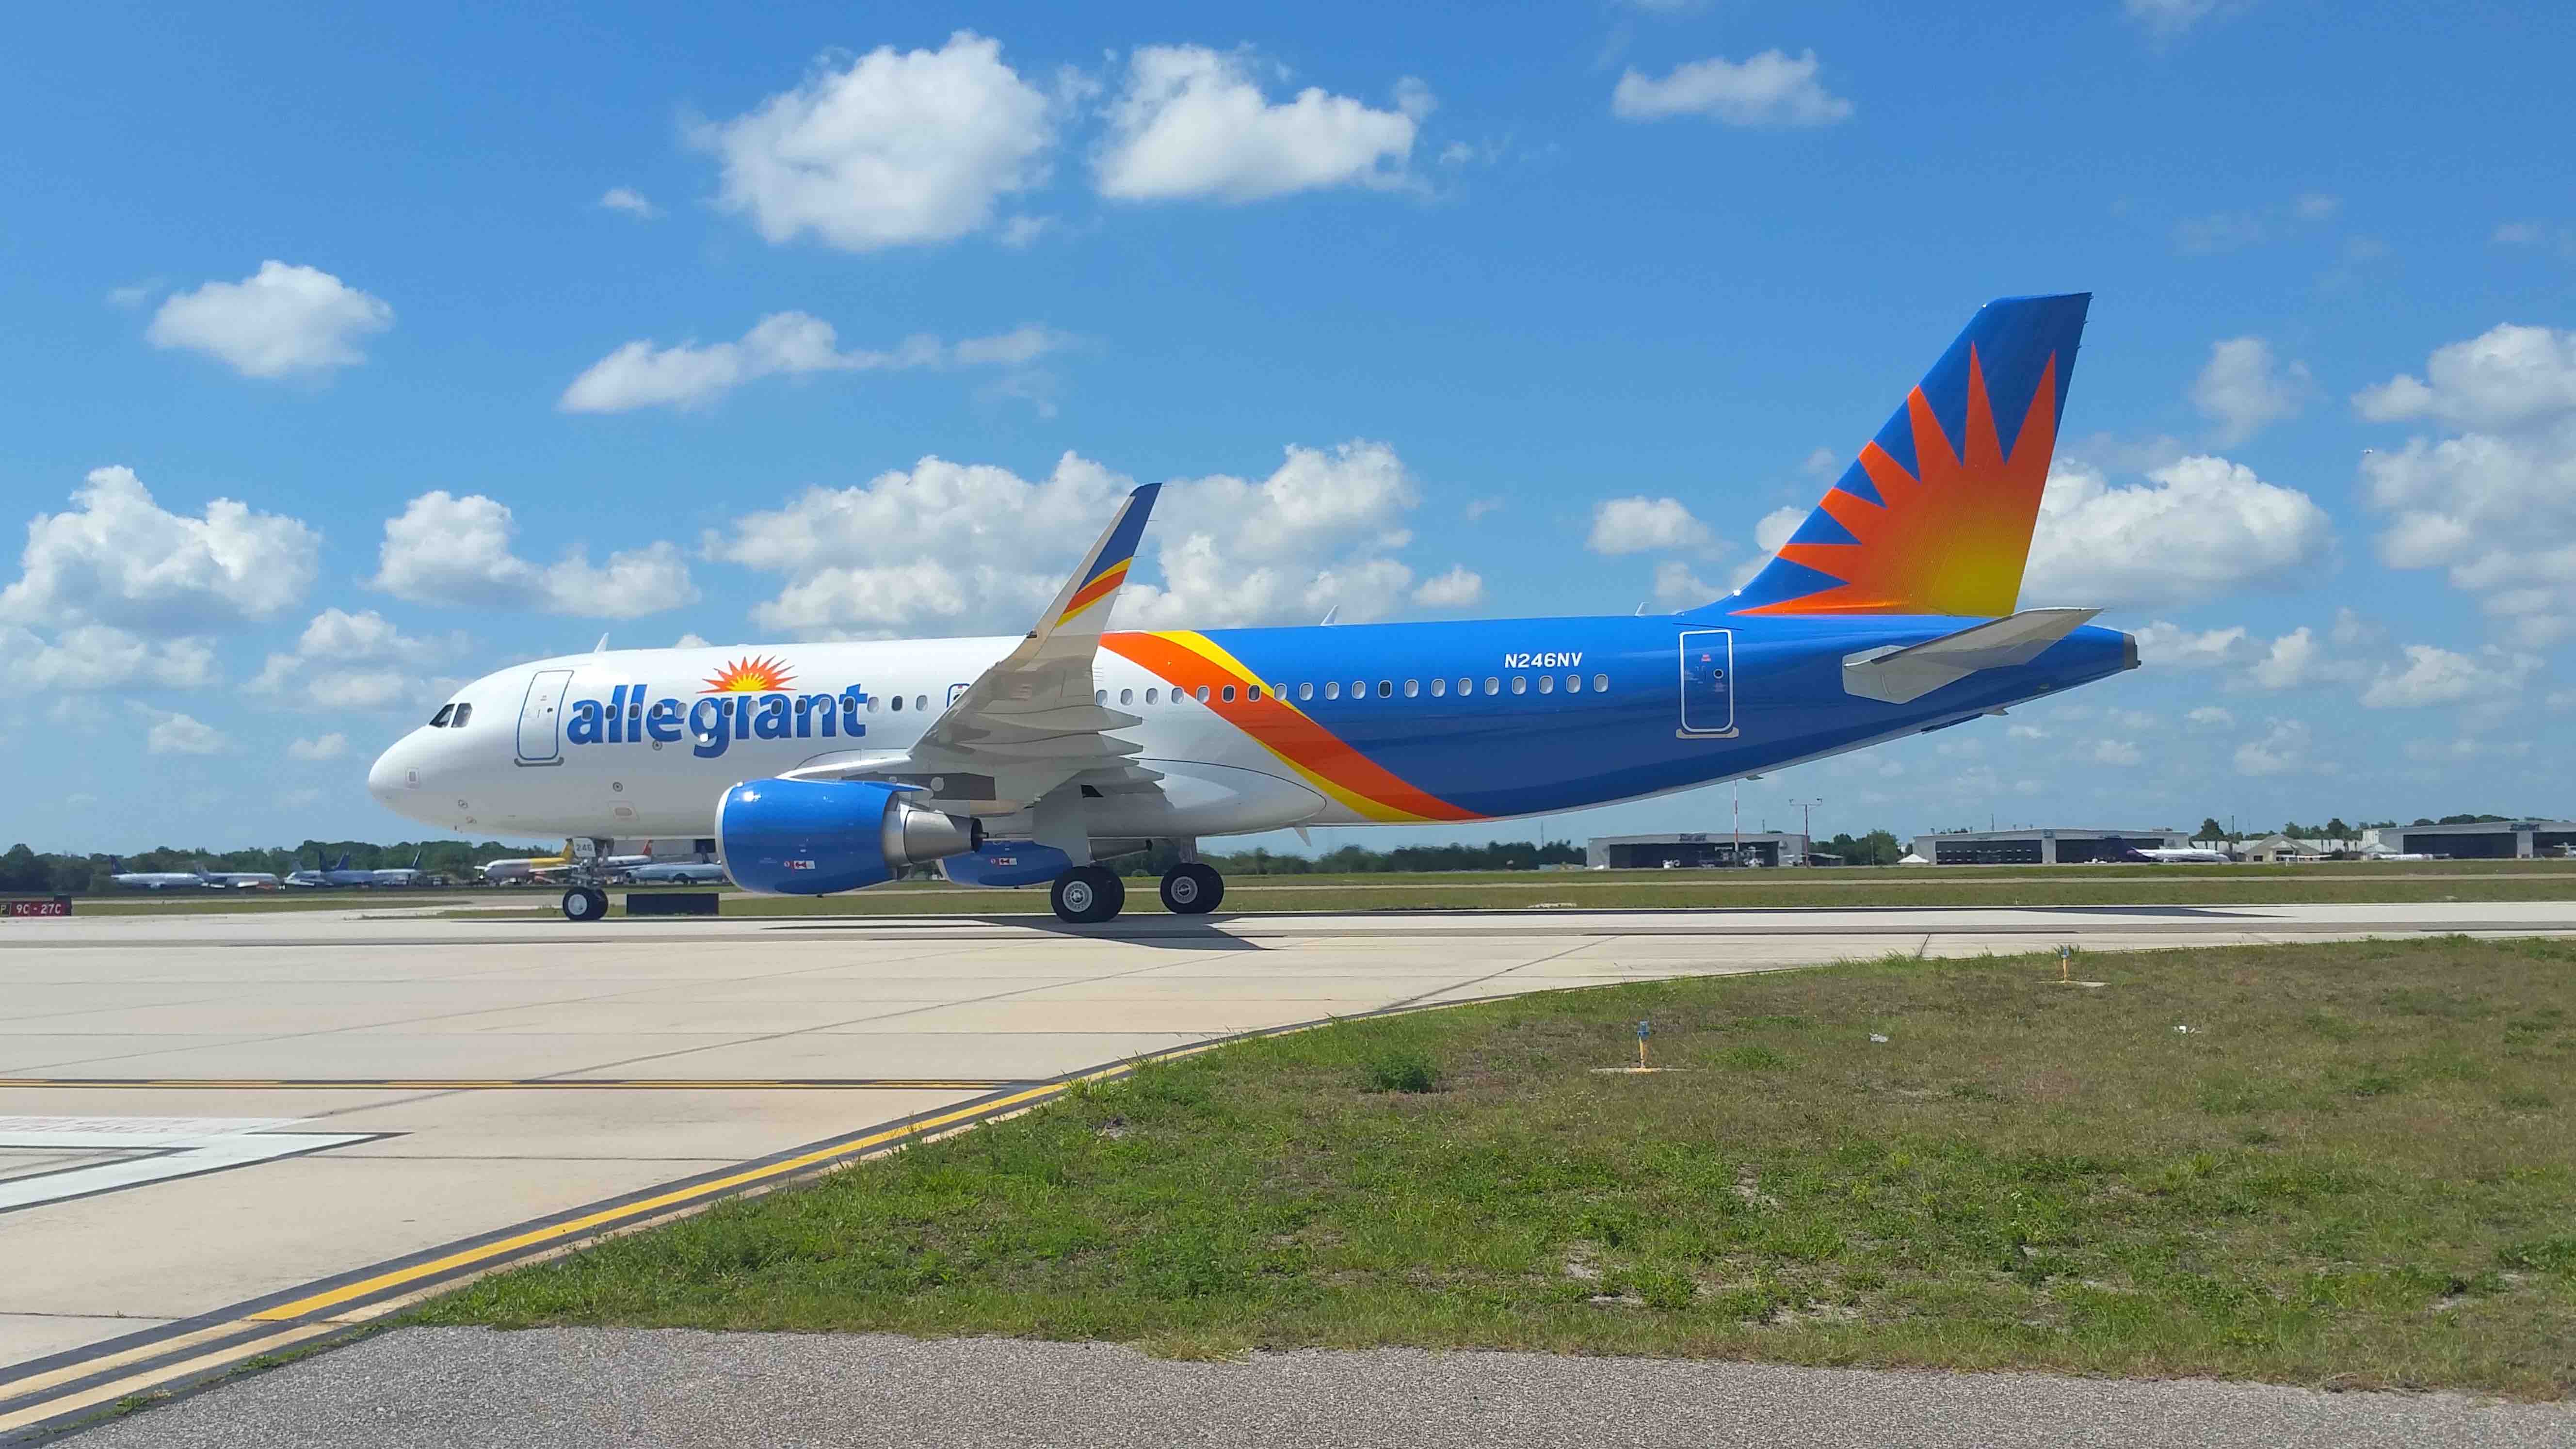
column 814, row 837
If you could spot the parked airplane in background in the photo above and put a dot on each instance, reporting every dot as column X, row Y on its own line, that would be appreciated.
column 1030, row 760
column 241, row 880
column 399, row 875
column 526, row 867
column 157, row 880
column 677, row 872
column 2182, row 855
column 331, row 878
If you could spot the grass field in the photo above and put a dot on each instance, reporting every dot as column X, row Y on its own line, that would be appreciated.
column 2354, row 1168
column 2349, row 882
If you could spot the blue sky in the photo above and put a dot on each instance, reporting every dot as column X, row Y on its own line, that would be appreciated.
column 500, row 333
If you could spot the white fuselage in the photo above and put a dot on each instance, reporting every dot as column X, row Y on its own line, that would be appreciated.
column 514, row 768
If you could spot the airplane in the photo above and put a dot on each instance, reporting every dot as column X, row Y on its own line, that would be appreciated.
column 2181, row 855
column 526, row 867
column 676, row 872
column 1031, row 760
column 240, row 880
column 399, row 875
column 158, row 880
column 329, row 878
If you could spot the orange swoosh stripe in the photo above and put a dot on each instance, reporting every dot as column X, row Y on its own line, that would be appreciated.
column 1099, row 588
column 1326, row 761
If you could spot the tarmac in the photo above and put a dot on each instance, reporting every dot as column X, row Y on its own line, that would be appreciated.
column 226, row 1135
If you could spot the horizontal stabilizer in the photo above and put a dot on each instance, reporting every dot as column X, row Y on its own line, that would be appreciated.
column 1901, row 676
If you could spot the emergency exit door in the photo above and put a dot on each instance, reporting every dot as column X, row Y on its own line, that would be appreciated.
column 1708, row 682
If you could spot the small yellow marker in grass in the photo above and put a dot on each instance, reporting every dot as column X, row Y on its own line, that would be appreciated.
column 2065, row 969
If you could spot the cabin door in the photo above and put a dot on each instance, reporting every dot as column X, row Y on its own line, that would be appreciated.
column 1708, row 681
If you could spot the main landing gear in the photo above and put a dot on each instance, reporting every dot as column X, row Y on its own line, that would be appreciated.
column 1192, row 889
column 585, row 903
column 1087, row 895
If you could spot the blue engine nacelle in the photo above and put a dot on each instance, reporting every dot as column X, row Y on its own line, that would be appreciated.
column 814, row 837
column 1006, row 863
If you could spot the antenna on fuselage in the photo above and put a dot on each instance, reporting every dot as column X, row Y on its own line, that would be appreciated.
column 601, row 647
column 1328, row 615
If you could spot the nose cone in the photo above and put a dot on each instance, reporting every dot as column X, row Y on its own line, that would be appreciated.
column 391, row 780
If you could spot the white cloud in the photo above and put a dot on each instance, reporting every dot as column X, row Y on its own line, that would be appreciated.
column 1641, row 525
column 2171, row 646
column 2244, row 390
column 2206, row 526
column 356, row 661
column 328, row 747
column 1193, row 122
column 2115, row 752
column 2210, row 716
column 116, row 557
column 890, row 149
column 1678, row 588
column 631, row 201
column 1776, row 527
column 2507, row 377
column 1822, row 463
column 1318, row 533
column 90, row 657
column 2434, row 675
column 640, row 375
column 1459, row 588
column 443, row 549
column 279, row 321
column 1770, row 89
column 2282, row 750
column 2494, row 503
column 689, row 641
column 2169, row 19
column 179, row 734
column 2226, row 231
column 2025, row 732
column 2315, row 205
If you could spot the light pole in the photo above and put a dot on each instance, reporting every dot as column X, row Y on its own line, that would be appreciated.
column 1807, row 829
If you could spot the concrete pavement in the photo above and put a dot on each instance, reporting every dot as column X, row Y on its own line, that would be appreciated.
column 231, row 1133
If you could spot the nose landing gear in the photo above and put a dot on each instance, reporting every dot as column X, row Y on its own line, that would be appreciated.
column 1192, row 889
column 1087, row 895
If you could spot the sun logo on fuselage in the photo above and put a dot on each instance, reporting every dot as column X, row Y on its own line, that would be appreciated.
column 763, row 675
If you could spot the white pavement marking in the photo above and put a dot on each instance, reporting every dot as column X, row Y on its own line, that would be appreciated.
column 147, row 1149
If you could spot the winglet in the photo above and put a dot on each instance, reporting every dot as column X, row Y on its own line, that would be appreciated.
column 1082, row 607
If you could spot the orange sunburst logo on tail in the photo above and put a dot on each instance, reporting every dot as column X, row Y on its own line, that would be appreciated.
column 1950, row 541
column 762, row 675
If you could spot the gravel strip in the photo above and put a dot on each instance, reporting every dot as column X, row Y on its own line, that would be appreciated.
column 465, row 1387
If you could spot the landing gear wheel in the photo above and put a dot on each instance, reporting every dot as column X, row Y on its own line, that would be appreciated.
column 1087, row 895
column 585, row 903
column 1192, row 889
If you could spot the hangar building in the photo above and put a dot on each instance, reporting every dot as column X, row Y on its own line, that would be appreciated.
column 2484, row 840
column 1690, row 851
column 2041, row 847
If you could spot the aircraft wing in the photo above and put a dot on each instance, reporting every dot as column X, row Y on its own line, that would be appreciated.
column 1031, row 723
column 1901, row 676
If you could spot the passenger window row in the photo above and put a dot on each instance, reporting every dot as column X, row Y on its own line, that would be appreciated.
column 1359, row 689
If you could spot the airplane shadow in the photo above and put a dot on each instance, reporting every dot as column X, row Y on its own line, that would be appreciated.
column 1159, row 932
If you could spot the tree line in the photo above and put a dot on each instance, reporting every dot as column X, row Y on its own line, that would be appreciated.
column 25, row 871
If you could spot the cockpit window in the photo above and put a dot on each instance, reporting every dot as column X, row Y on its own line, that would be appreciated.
column 464, row 712
column 438, row 721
